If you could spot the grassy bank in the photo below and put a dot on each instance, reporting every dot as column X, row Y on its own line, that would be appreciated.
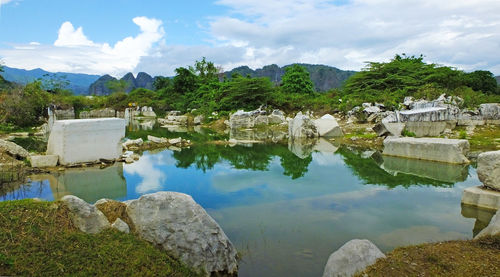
column 453, row 258
column 39, row 239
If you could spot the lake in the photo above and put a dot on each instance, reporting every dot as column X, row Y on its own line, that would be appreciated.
column 286, row 208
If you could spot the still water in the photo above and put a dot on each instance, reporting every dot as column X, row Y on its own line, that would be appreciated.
column 287, row 208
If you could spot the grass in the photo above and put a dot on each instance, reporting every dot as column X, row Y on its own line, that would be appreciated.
column 483, row 138
column 39, row 239
column 453, row 258
column 31, row 144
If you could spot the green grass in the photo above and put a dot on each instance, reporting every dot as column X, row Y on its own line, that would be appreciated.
column 452, row 258
column 39, row 239
column 10, row 128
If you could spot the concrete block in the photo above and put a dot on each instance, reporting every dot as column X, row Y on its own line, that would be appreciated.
column 44, row 160
column 480, row 197
column 432, row 149
column 86, row 140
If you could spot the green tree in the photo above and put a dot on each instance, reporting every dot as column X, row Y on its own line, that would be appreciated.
column 161, row 82
column 245, row 93
column 24, row 106
column 185, row 81
column 56, row 84
column 481, row 80
column 117, row 86
column 206, row 71
column 297, row 80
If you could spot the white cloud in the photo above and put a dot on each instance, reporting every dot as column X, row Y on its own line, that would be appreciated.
column 3, row 2
column 74, row 52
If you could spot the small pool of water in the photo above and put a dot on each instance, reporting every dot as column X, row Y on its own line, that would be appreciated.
column 287, row 208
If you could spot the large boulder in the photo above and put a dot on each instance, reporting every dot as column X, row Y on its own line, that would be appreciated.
column 480, row 197
column 432, row 149
column 242, row 120
column 328, row 126
column 490, row 111
column 179, row 225
column 353, row 257
column 276, row 117
column 86, row 140
column 426, row 129
column 13, row 149
column 86, row 217
column 493, row 228
column 302, row 127
column 198, row 120
column 488, row 169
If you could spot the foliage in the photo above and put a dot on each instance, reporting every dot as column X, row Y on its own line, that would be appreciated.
column 55, row 84
column 406, row 133
column 24, row 106
column 117, row 86
column 297, row 80
column 161, row 82
column 245, row 93
column 39, row 239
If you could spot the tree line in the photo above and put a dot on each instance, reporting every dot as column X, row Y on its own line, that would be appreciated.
column 203, row 89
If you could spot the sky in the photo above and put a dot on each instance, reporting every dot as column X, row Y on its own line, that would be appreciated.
column 119, row 36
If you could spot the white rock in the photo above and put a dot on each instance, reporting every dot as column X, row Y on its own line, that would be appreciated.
column 327, row 126
column 177, row 223
column 276, row 117
column 86, row 217
column 13, row 149
column 242, row 119
column 198, row 119
column 157, row 139
column 490, row 110
column 480, row 197
column 121, row 226
column 488, row 169
column 175, row 141
column 493, row 228
column 44, row 160
column 129, row 160
column 302, row 127
column 86, row 140
column 432, row 149
column 261, row 120
column 353, row 257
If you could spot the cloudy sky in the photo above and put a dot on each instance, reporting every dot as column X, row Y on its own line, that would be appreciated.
column 118, row 36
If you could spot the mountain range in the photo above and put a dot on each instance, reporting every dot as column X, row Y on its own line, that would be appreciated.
column 323, row 77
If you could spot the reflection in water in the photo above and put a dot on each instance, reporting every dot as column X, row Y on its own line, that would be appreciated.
column 287, row 208
column 482, row 216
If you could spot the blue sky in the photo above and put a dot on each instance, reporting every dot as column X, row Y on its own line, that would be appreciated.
column 119, row 36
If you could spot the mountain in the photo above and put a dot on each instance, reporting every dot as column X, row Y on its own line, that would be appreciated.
column 78, row 83
column 100, row 86
column 498, row 79
column 323, row 77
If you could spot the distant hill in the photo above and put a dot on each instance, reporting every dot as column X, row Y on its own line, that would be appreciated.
column 498, row 79
column 100, row 86
column 323, row 77
column 4, row 84
column 79, row 83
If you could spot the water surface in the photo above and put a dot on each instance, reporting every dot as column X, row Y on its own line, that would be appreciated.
column 288, row 207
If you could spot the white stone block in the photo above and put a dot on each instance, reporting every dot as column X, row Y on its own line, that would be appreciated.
column 432, row 149
column 44, row 160
column 480, row 197
column 488, row 169
column 86, row 140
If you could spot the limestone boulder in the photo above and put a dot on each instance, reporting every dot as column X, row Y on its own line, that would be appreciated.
column 276, row 117
column 44, row 160
column 261, row 120
column 488, row 169
column 121, row 226
column 13, row 149
column 426, row 129
column 352, row 258
column 490, row 111
column 328, row 126
column 86, row 217
column 198, row 119
column 242, row 120
column 132, row 142
column 302, row 127
column 493, row 228
column 432, row 149
column 183, row 228
column 157, row 139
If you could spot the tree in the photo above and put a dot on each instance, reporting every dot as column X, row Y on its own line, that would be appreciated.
column 481, row 80
column 245, row 93
column 161, row 82
column 297, row 80
column 206, row 71
column 185, row 81
column 55, row 84
column 117, row 85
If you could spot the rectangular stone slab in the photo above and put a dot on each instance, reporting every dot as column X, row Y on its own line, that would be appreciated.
column 86, row 140
column 432, row 149
column 480, row 197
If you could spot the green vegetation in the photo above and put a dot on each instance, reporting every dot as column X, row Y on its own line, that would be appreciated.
column 39, row 239
column 205, row 88
column 452, row 258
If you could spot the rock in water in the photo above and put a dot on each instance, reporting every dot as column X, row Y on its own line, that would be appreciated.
column 353, row 257
column 302, row 127
column 488, row 169
column 184, row 229
column 327, row 126
column 86, row 217
column 493, row 228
